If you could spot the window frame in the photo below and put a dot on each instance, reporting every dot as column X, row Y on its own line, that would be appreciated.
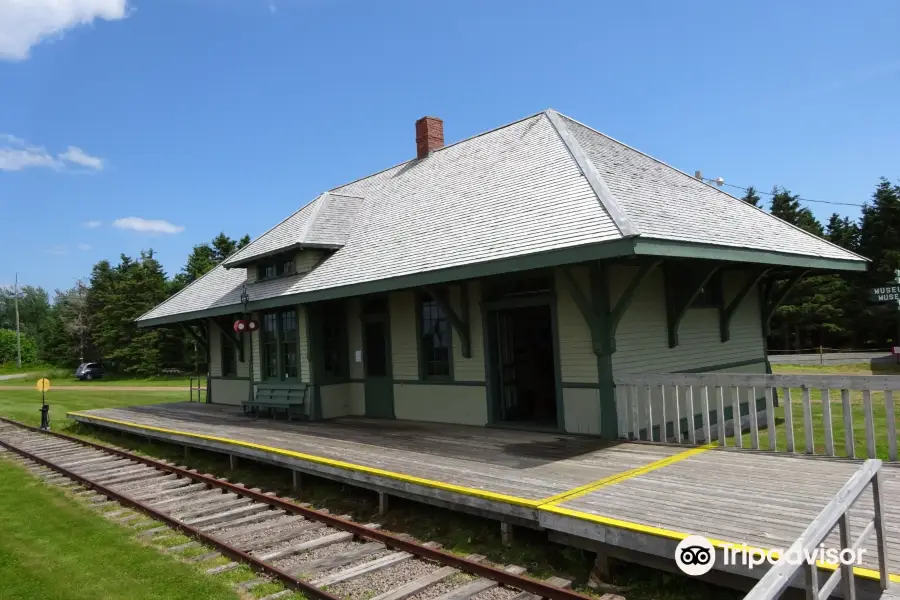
column 279, row 345
column 422, row 360
column 224, row 344
column 278, row 263
column 334, row 338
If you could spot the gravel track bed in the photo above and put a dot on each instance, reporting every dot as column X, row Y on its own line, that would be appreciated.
column 282, row 523
column 295, row 562
column 355, row 563
column 498, row 593
column 442, row 587
column 383, row 580
column 304, row 536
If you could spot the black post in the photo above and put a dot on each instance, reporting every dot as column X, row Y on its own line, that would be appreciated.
column 45, row 413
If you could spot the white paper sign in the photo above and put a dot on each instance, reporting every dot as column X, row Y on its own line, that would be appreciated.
column 359, row 356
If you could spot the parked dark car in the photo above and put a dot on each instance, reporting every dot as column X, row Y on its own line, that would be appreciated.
column 88, row 371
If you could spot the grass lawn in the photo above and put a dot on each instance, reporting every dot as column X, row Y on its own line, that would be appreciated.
column 851, row 369
column 25, row 405
column 837, row 414
column 11, row 368
column 52, row 548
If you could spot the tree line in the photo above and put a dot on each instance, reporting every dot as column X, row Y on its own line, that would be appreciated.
column 94, row 319
column 831, row 310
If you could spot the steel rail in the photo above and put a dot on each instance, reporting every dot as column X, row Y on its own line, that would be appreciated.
column 226, row 549
column 521, row 582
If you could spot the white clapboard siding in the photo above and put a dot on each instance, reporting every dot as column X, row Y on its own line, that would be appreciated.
column 404, row 347
column 577, row 359
column 642, row 343
column 469, row 369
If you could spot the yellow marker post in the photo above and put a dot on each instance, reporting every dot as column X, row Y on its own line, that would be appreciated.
column 43, row 384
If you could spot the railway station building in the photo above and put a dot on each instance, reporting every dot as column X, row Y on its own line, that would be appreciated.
column 502, row 280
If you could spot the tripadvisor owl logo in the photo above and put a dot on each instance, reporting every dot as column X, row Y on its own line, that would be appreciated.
column 695, row 555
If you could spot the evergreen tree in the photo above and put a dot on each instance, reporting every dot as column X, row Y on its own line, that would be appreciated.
column 751, row 197
column 843, row 232
column 119, row 295
column 786, row 206
column 879, row 240
column 204, row 257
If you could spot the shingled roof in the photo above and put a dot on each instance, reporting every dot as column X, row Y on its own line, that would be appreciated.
column 540, row 191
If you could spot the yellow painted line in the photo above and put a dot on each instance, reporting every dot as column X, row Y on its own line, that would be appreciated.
column 331, row 462
column 612, row 479
column 680, row 535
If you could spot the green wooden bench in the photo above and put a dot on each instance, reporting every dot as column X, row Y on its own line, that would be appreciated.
column 287, row 398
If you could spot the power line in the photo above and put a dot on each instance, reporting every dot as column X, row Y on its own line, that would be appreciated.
column 798, row 198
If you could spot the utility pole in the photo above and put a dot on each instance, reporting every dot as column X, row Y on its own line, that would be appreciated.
column 18, row 335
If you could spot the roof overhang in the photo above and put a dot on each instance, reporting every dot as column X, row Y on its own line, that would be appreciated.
column 623, row 248
column 245, row 262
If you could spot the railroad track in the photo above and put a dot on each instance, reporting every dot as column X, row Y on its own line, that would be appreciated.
column 311, row 551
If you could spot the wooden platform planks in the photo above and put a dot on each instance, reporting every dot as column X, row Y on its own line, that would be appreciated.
column 762, row 500
column 524, row 465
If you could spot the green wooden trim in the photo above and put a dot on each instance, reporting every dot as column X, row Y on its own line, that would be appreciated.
column 488, row 311
column 439, row 382
column 279, row 359
column 727, row 312
column 385, row 318
column 777, row 301
column 313, row 335
column 585, row 307
column 420, row 351
column 528, row 262
column 625, row 300
column 721, row 366
column 557, row 360
column 677, row 305
column 609, row 420
column 519, row 302
column 230, row 378
column 580, row 386
column 603, row 250
column 656, row 247
column 238, row 341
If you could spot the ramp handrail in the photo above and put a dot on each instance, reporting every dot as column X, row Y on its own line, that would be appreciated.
column 779, row 577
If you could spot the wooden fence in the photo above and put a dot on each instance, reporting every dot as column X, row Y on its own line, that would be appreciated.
column 789, row 413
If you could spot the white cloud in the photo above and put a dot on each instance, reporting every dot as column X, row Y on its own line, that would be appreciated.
column 84, row 247
column 79, row 157
column 57, row 250
column 26, row 23
column 16, row 155
column 147, row 225
column 93, row 224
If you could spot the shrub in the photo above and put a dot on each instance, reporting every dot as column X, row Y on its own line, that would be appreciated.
column 8, row 348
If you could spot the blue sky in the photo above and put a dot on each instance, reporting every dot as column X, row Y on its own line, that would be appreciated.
column 214, row 115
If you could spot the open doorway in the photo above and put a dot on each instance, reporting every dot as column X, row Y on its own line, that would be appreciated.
column 524, row 370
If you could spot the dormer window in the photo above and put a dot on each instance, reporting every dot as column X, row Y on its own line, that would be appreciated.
column 277, row 266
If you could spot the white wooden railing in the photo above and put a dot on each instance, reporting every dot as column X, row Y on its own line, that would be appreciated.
column 794, row 413
column 835, row 514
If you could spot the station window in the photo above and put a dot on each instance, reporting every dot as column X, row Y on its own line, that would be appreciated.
column 434, row 339
column 280, row 345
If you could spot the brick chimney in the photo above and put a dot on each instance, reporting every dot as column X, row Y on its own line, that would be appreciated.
column 429, row 136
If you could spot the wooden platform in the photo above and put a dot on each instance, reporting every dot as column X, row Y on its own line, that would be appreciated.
column 635, row 498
